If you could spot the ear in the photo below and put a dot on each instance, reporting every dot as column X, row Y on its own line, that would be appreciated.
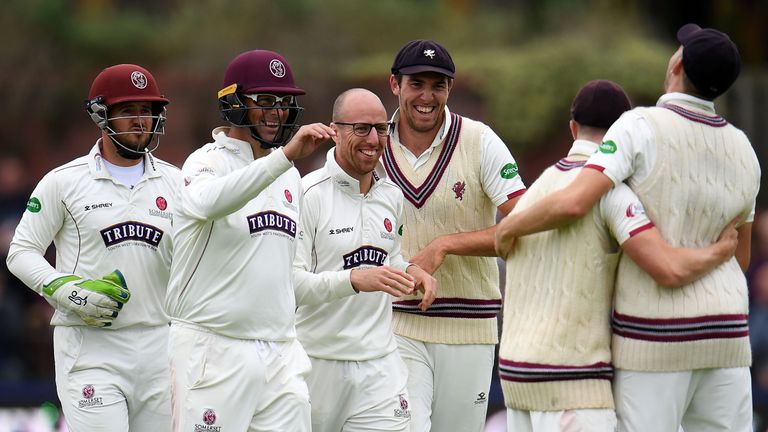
column 574, row 128
column 677, row 68
column 394, row 86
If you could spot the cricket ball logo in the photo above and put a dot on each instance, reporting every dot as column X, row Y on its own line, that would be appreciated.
column 209, row 417
column 388, row 224
column 288, row 196
column 458, row 189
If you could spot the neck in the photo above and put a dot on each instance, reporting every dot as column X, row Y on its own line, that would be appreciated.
column 416, row 142
column 244, row 134
column 366, row 182
column 109, row 153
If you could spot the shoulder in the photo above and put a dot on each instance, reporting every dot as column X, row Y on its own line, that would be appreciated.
column 389, row 187
column 75, row 169
column 314, row 181
column 167, row 168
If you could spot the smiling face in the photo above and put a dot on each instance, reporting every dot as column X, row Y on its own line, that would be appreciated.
column 265, row 120
column 422, row 98
column 358, row 155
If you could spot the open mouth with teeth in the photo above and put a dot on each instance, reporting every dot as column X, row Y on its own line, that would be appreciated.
column 369, row 154
column 425, row 109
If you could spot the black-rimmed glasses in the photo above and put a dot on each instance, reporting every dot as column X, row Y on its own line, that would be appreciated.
column 272, row 101
column 363, row 129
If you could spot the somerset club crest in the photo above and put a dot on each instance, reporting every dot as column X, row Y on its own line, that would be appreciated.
column 458, row 189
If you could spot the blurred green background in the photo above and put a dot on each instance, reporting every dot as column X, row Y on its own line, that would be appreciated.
column 519, row 64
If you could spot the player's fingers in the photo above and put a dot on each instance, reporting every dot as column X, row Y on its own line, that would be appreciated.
column 401, row 283
column 430, row 293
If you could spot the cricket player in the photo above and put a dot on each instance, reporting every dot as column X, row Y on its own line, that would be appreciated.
column 455, row 173
column 695, row 172
column 111, row 209
column 555, row 357
column 348, row 267
column 235, row 360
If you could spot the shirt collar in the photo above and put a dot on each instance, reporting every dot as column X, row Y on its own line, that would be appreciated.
column 444, row 128
column 582, row 147
column 98, row 170
column 344, row 181
column 234, row 145
column 687, row 100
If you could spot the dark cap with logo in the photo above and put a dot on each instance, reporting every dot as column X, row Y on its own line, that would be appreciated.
column 599, row 103
column 710, row 59
column 423, row 55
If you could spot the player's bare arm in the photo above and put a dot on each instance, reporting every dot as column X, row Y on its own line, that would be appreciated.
column 385, row 278
column 562, row 207
column 474, row 243
column 744, row 249
column 676, row 267
column 306, row 140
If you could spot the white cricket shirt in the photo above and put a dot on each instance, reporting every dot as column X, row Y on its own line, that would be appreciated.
column 98, row 225
column 236, row 225
column 341, row 229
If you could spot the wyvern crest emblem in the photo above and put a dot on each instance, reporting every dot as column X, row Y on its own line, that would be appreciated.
column 458, row 189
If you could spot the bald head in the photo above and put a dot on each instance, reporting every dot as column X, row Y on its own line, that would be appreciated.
column 356, row 100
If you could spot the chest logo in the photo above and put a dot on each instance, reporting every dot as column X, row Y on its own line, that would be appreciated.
column 288, row 196
column 365, row 256
column 161, row 203
column 458, row 189
column 131, row 231
column 271, row 220
column 387, row 224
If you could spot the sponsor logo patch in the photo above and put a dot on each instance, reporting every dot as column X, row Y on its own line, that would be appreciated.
column 482, row 399
column 33, row 205
column 508, row 171
column 344, row 230
column 365, row 255
column 131, row 231
column 387, row 224
column 89, row 207
column 161, row 203
column 607, row 147
column 273, row 221
column 288, row 196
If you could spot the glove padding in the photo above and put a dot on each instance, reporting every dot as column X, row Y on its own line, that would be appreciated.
column 96, row 301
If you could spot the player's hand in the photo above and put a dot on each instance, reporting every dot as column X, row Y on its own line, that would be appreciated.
column 385, row 278
column 503, row 241
column 728, row 240
column 431, row 257
column 306, row 140
column 96, row 301
column 425, row 283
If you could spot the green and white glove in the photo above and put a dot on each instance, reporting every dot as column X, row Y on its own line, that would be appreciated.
column 95, row 301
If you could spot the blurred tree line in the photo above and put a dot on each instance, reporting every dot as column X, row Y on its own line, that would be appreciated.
column 519, row 62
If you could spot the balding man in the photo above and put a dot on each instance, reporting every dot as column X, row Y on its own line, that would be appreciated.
column 348, row 265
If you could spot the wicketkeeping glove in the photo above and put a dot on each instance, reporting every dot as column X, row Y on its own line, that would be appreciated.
column 95, row 301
